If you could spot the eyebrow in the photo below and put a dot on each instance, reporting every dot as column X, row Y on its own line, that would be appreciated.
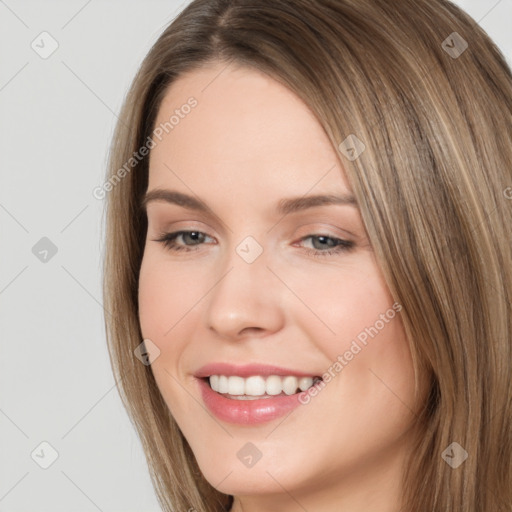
column 284, row 206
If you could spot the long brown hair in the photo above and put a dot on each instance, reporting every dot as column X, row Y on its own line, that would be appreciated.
column 427, row 92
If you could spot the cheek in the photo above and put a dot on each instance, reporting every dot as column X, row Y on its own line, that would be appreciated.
column 345, row 303
column 166, row 312
column 153, row 302
column 166, row 298
column 165, row 302
column 358, row 326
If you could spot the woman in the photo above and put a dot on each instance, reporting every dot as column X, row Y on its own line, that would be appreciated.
column 308, row 225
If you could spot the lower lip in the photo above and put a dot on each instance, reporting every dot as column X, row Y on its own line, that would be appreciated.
column 247, row 412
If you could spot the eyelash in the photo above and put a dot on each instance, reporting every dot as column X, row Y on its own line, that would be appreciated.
column 169, row 242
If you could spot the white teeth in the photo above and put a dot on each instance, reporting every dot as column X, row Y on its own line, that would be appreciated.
column 290, row 385
column 236, row 386
column 214, row 381
column 223, row 383
column 257, row 386
column 254, row 386
column 305, row 383
column 274, row 385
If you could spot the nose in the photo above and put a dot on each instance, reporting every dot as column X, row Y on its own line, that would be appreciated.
column 247, row 300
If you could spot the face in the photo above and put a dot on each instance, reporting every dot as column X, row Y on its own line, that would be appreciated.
column 251, row 287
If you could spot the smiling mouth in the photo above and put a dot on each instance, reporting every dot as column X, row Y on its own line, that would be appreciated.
column 258, row 387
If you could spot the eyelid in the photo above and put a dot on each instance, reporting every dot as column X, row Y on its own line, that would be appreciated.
column 319, row 228
column 165, row 218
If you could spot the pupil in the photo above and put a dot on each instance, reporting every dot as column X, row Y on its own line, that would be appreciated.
column 194, row 235
column 323, row 239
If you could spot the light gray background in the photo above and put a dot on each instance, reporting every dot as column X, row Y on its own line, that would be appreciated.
column 57, row 117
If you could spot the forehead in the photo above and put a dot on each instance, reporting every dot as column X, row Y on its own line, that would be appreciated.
column 245, row 130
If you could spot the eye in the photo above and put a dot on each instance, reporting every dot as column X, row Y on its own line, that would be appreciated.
column 324, row 245
column 170, row 240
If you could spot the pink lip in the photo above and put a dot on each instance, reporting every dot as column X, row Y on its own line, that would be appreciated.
column 246, row 412
column 247, row 370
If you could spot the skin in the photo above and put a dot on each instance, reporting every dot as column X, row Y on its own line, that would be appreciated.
column 249, row 143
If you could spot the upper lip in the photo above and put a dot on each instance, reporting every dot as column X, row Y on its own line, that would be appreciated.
column 248, row 370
